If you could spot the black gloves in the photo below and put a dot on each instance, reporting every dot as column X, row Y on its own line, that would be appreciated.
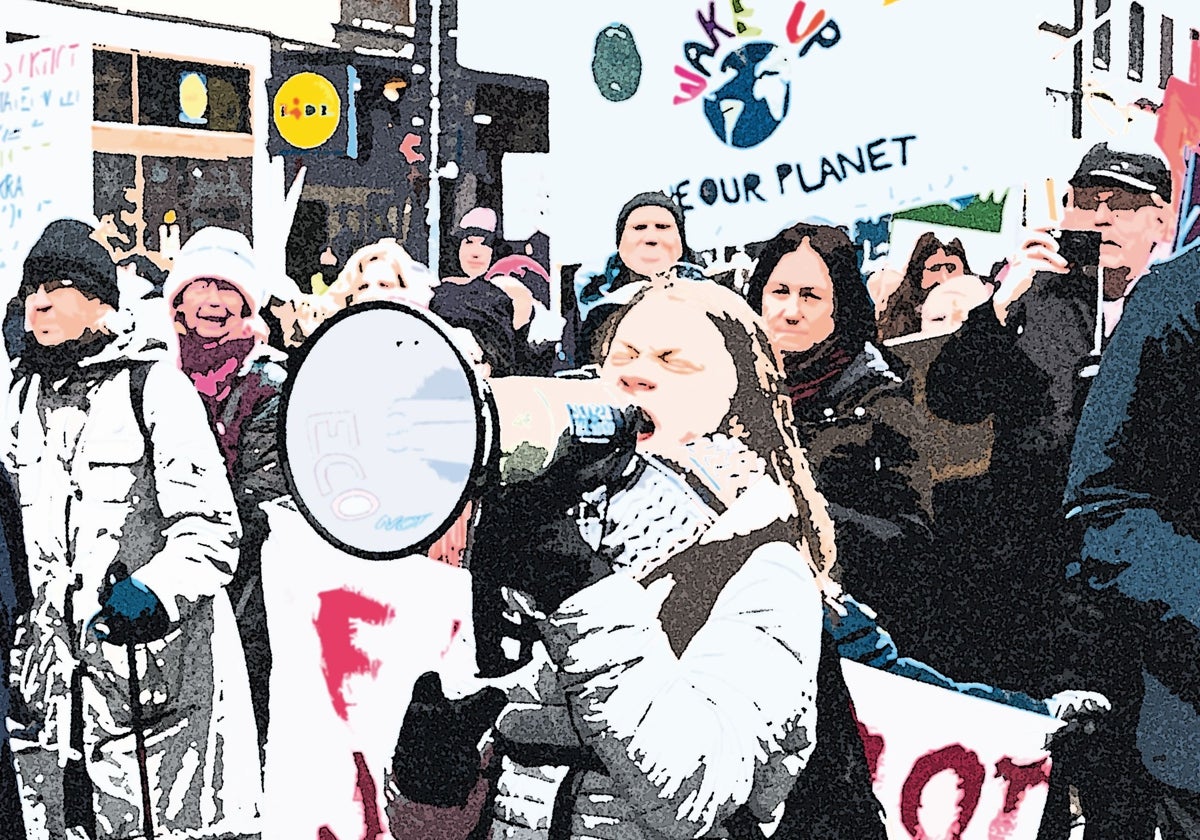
column 526, row 538
column 437, row 758
column 593, row 453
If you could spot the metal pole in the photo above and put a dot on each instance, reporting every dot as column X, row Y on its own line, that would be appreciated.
column 433, row 208
column 139, row 740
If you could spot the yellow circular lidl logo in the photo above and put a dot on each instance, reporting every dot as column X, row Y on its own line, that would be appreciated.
column 307, row 110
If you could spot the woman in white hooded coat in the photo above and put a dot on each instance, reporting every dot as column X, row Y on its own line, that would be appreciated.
column 116, row 468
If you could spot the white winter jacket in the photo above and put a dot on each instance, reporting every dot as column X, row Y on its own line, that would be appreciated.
column 99, row 483
column 676, row 743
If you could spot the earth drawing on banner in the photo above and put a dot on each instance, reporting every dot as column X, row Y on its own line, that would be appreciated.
column 748, row 108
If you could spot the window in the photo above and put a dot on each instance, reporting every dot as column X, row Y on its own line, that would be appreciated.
column 146, row 177
column 113, row 90
column 187, row 94
column 199, row 193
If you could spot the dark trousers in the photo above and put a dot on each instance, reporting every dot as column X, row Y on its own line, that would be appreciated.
column 250, row 609
column 12, row 826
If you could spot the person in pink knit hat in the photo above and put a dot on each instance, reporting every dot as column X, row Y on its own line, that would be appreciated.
column 214, row 292
column 471, row 302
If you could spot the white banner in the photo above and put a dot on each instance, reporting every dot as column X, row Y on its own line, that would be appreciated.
column 758, row 114
column 45, row 144
column 950, row 765
column 350, row 637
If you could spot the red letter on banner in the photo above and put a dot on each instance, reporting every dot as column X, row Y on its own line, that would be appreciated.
column 872, row 744
column 1020, row 778
column 339, row 656
column 970, row 772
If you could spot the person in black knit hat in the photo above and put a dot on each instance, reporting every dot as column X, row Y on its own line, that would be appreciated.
column 66, row 255
column 651, row 238
column 132, row 533
column 66, row 252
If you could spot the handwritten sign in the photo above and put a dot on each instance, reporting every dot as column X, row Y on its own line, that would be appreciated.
column 754, row 115
column 948, row 765
column 45, row 144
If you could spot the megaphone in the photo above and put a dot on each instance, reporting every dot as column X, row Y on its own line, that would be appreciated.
column 387, row 431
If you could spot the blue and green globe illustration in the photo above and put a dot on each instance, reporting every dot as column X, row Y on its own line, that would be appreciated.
column 748, row 108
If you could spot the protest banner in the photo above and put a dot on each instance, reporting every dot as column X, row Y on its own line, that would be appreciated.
column 45, row 143
column 950, row 765
column 756, row 117
column 45, row 147
column 350, row 637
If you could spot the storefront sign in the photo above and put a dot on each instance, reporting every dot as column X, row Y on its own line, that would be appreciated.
column 307, row 110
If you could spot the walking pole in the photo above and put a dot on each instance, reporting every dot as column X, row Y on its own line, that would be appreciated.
column 139, row 740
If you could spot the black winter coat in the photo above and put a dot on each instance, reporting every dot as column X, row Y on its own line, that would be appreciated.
column 858, row 433
column 1133, row 490
column 1003, row 537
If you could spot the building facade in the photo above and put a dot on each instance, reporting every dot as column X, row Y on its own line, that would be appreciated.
column 212, row 119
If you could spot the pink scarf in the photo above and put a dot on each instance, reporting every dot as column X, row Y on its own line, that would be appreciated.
column 213, row 366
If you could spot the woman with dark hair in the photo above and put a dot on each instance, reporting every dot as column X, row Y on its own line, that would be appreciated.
column 852, row 409
column 651, row 239
column 932, row 263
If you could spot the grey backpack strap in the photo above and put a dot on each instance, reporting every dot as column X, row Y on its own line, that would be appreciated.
column 137, row 391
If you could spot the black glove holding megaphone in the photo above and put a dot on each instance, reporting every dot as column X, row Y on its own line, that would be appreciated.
column 527, row 539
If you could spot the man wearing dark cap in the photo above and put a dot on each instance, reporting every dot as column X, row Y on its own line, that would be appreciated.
column 1123, row 196
column 1025, row 362
column 1019, row 360
column 131, row 534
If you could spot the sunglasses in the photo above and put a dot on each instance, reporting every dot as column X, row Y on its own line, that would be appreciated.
column 1088, row 198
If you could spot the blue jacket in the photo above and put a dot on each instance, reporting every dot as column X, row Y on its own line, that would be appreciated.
column 1132, row 487
column 860, row 639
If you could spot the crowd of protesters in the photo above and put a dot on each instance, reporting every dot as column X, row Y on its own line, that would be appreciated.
column 686, row 589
